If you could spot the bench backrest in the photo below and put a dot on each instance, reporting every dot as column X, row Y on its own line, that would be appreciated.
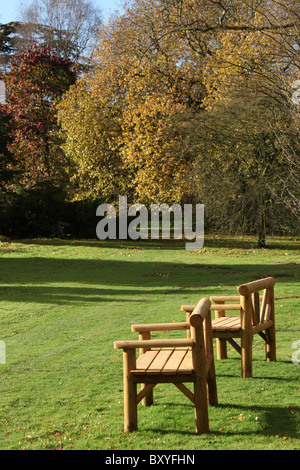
column 250, row 300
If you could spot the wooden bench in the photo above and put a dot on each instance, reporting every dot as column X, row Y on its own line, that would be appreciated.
column 256, row 315
column 176, row 361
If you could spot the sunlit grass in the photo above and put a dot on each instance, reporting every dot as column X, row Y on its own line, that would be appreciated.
column 63, row 303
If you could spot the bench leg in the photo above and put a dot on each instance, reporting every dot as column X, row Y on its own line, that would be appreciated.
column 212, row 385
column 130, row 389
column 201, row 407
column 271, row 347
column 246, row 355
column 271, row 344
column 148, row 399
column 221, row 348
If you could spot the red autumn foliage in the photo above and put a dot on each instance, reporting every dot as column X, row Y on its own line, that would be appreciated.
column 35, row 82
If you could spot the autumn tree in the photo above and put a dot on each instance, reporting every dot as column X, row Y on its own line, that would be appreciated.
column 35, row 82
column 146, row 95
column 250, row 50
column 239, row 168
column 90, row 126
column 164, row 72
column 287, row 139
column 233, row 38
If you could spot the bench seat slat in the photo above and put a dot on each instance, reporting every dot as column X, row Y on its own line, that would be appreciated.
column 186, row 366
column 173, row 363
column 229, row 323
column 164, row 361
column 145, row 360
column 159, row 362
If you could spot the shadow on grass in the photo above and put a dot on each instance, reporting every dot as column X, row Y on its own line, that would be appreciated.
column 66, row 295
column 275, row 420
column 95, row 280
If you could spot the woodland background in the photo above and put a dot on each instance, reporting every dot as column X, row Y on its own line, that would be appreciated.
column 175, row 101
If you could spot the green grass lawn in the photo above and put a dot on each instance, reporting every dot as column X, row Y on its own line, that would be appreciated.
column 64, row 303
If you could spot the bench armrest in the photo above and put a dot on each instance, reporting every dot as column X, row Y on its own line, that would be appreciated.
column 160, row 327
column 154, row 343
column 187, row 308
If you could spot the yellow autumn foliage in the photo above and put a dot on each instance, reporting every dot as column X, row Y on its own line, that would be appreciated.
column 133, row 124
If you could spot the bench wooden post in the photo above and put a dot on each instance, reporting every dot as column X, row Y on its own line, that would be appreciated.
column 130, row 405
column 211, row 373
column 221, row 343
column 148, row 398
column 247, row 337
column 200, row 394
column 271, row 343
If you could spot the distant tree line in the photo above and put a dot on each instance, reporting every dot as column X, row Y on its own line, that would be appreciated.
column 170, row 101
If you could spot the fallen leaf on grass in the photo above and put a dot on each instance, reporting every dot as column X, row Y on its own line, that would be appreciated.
column 157, row 275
